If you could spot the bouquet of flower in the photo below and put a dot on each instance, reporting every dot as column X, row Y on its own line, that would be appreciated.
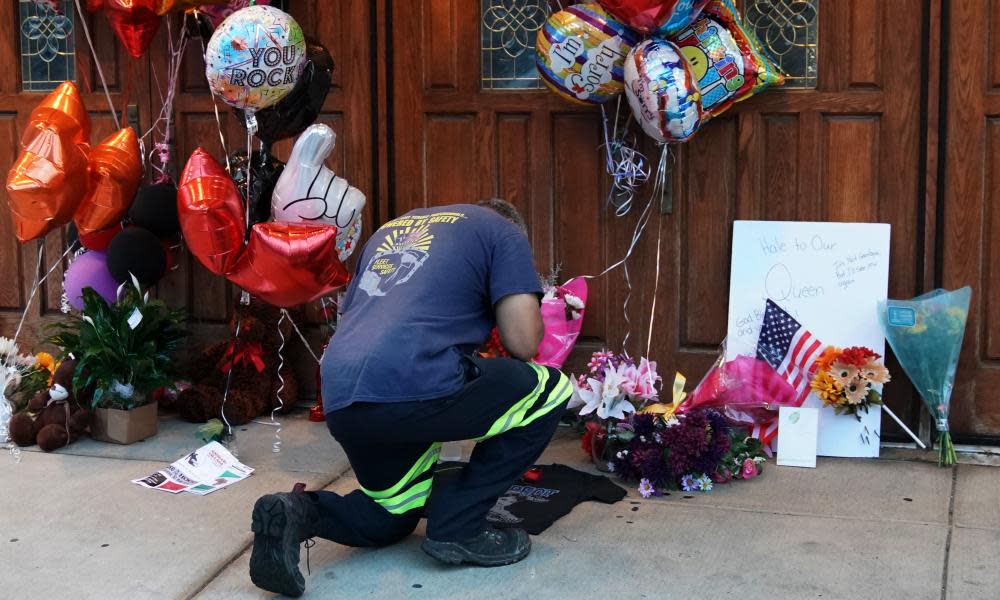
column 562, row 313
column 692, row 452
column 926, row 335
column 614, row 386
column 846, row 379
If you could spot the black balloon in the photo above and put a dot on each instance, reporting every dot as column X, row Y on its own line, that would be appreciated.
column 73, row 237
column 137, row 251
column 264, row 173
column 155, row 209
column 301, row 107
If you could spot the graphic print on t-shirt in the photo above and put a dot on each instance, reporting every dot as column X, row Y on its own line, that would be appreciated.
column 406, row 247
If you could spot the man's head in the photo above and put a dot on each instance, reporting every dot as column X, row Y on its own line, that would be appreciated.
column 506, row 210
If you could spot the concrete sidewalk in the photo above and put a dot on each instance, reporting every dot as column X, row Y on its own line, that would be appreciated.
column 72, row 526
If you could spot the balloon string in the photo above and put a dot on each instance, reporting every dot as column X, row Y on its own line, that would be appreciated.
column 163, row 150
column 97, row 63
column 229, row 377
column 626, row 165
column 656, row 286
column 218, row 119
column 302, row 337
column 36, row 284
column 276, row 448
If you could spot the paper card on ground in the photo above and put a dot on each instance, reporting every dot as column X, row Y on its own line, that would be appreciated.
column 797, row 436
column 201, row 472
column 829, row 277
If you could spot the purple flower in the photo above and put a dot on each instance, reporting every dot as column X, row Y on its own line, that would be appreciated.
column 690, row 483
column 646, row 488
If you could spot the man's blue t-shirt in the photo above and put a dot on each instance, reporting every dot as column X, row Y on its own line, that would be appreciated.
column 422, row 297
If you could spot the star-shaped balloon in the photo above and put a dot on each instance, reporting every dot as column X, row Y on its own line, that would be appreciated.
column 115, row 173
column 211, row 213
column 49, row 178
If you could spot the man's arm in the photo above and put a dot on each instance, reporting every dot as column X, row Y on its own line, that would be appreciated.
column 519, row 322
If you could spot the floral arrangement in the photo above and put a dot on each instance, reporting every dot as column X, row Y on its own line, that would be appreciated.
column 615, row 386
column 692, row 452
column 846, row 379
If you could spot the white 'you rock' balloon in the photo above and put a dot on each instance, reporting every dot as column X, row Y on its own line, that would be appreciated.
column 309, row 192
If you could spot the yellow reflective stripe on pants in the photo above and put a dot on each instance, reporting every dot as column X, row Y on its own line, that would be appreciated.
column 425, row 463
column 563, row 390
column 414, row 497
column 513, row 417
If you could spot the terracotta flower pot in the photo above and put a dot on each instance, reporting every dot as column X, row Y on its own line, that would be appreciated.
column 124, row 426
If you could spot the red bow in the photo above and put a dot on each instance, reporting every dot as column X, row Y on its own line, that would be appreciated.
column 249, row 354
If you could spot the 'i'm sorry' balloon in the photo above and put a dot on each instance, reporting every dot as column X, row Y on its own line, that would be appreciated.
column 581, row 51
column 255, row 57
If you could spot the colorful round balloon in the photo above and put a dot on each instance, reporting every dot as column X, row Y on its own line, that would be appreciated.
column 581, row 51
column 662, row 92
column 255, row 57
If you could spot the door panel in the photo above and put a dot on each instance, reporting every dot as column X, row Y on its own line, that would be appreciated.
column 970, row 222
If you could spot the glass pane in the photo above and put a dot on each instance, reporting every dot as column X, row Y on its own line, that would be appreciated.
column 508, row 40
column 789, row 29
column 48, row 50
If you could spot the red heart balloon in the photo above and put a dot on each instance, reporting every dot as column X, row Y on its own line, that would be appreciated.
column 211, row 213
column 642, row 15
column 100, row 240
column 114, row 178
column 288, row 264
column 134, row 21
column 49, row 179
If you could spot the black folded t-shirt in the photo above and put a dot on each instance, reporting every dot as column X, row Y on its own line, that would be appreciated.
column 534, row 506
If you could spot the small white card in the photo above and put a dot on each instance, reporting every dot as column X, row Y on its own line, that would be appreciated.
column 797, row 436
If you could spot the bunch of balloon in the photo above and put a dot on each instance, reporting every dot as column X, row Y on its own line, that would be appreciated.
column 259, row 62
column 696, row 60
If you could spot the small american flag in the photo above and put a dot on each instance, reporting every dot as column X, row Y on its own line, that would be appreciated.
column 788, row 347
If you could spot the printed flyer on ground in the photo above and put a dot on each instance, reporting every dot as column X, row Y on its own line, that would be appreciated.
column 201, row 472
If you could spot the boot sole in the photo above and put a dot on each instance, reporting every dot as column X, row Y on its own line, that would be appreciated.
column 273, row 566
column 453, row 553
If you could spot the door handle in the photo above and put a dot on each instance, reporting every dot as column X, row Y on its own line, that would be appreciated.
column 132, row 117
column 667, row 189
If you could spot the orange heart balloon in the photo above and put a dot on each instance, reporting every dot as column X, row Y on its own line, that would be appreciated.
column 115, row 171
column 211, row 213
column 49, row 178
column 288, row 264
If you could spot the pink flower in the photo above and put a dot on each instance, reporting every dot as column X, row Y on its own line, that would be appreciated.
column 749, row 470
column 640, row 382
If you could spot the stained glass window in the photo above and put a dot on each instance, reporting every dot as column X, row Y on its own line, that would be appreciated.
column 508, row 33
column 789, row 29
column 48, row 51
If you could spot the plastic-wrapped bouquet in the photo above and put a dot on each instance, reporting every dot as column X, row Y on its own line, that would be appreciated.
column 21, row 377
column 926, row 335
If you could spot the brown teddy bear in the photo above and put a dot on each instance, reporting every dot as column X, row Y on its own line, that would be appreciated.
column 253, row 389
column 54, row 418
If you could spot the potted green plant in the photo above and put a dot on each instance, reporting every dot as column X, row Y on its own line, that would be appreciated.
column 125, row 351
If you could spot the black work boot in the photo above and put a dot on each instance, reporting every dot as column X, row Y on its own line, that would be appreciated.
column 280, row 523
column 491, row 548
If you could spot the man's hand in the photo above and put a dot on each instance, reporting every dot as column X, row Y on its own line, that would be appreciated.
column 519, row 321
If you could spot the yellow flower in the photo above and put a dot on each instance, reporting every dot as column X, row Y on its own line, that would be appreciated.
column 843, row 373
column 827, row 389
column 875, row 373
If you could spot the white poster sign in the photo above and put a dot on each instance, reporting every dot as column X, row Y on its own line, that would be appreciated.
column 830, row 278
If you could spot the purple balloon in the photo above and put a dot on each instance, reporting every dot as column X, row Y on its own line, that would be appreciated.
column 90, row 269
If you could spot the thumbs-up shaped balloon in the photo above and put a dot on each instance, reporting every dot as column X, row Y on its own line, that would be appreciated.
column 309, row 192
